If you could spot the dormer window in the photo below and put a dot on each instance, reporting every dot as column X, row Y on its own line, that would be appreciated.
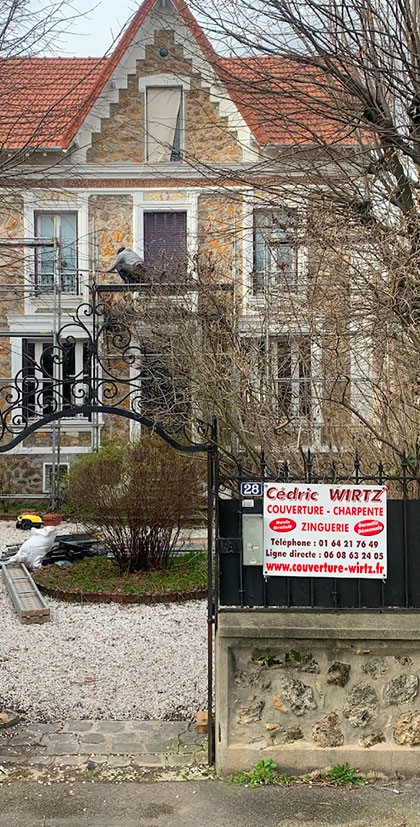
column 164, row 127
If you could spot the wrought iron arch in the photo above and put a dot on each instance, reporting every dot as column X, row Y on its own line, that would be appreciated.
column 40, row 393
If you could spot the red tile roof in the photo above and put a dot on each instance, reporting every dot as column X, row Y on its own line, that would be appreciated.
column 282, row 101
column 41, row 98
column 44, row 101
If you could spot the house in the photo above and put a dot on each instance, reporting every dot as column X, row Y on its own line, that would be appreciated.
column 152, row 147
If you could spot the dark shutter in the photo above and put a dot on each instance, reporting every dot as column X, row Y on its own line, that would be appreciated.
column 165, row 245
column 28, row 378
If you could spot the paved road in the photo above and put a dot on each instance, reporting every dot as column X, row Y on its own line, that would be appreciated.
column 202, row 803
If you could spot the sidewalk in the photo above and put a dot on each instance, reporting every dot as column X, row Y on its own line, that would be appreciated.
column 197, row 803
column 115, row 743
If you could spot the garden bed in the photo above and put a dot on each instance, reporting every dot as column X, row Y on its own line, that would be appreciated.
column 97, row 580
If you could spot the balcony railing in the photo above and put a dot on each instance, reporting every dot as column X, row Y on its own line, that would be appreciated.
column 44, row 282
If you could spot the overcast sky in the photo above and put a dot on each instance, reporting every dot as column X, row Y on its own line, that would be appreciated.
column 95, row 30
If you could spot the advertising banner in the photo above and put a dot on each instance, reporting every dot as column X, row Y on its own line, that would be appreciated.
column 324, row 530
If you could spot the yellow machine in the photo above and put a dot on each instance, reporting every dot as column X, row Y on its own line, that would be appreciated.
column 28, row 521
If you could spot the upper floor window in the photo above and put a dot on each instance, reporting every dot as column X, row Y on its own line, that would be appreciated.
column 165, row 245
column 62, row 226
column 163, row 124
column 275, row 250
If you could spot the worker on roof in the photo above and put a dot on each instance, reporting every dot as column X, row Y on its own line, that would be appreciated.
column 129, row 266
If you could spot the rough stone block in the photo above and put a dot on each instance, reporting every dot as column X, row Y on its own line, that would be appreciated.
column 252, row 713
column 407, row 729
column 77, row 726
column 401, row 689
column 327, row 733
column 93, row 738
column 112, row 726
column 376, row 667
column 299, row 696
column 338, row 673
column 361, row 705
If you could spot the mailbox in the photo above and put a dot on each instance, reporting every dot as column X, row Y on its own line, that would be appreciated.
column 252, row 539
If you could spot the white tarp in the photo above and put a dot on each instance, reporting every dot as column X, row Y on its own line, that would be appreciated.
column 36, row 547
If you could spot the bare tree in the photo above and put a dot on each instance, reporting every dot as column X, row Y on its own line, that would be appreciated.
column 332, row 93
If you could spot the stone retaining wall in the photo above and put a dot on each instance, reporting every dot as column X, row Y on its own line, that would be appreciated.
column 314, row 689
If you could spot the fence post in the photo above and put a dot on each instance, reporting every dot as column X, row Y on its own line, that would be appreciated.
column 404, row 466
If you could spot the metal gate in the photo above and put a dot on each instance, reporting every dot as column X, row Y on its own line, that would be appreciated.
column 39, row 394
column 244, row 586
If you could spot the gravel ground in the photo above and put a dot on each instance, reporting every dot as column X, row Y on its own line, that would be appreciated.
column 103, row 661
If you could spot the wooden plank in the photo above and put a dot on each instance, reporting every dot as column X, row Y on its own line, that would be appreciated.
column 26, row 597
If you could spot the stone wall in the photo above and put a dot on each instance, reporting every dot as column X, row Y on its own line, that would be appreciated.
column 122, row 135
column 23, row 473
column 218, row 215
column 111, row 216
column 310, row 690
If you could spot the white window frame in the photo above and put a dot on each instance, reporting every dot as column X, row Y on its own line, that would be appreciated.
column 188, row 205
column 78, row 365
column 164, row 81
column 58, row 215
column 181, row 125
column 50, row 465
column 39, row 201
column 315, row 420
column 293, row 343
column 253, row 299
column 273, row 277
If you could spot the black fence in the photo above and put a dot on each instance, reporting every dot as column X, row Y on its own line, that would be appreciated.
column 245, row 586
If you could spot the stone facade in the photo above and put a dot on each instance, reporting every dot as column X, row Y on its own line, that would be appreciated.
column 218, row 215
column 111, row 217
column 311, row 690
column 207, row 134
column 25, row 472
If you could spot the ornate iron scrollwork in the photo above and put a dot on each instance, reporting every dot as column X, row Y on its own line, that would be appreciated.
column 107, row 381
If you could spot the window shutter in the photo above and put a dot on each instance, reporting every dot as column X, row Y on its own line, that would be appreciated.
column 165, row 244
column 28, row 383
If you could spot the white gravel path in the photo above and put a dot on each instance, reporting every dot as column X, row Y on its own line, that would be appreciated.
column 103, row 661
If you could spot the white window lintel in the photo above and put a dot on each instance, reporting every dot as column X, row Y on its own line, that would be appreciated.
column 164, row 79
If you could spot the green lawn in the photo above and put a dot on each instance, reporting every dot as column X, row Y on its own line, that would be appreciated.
column 98, row 574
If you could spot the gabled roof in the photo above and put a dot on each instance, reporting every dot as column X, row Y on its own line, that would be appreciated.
column 45, row 101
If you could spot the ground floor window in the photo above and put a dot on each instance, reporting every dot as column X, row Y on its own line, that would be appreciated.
column 165, row 394
column 52, row 379
column 281, row 367
column 48, row 474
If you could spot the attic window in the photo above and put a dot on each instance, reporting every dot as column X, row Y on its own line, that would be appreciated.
column 163, row 124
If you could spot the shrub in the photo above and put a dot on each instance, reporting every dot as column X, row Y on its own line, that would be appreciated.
column 138, row 495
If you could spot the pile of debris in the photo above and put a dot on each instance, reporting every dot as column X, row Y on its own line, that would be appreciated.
column 64, row 550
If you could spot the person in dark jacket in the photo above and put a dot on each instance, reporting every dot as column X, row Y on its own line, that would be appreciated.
column 129, row 266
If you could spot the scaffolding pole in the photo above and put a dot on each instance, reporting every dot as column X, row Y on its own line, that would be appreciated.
column 56, row 369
